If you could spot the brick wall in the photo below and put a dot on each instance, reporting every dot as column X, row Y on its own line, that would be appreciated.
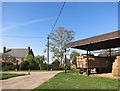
column 20, row 60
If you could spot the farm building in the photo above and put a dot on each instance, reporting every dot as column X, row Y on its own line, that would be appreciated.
column 105, row 41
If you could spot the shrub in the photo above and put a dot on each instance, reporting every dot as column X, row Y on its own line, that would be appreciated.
column 9, row 67
column 6, row 63
column 34, row 65
column 55, row 65
column 61, row 67
column 29, row 58
column 40, row 60
column 24, row 65
column 9, row 63
column 68, row 65
column 17, row 67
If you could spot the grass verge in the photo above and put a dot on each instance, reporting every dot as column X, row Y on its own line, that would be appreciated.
column 9, row 75
column 30, row 70
column 71, row 80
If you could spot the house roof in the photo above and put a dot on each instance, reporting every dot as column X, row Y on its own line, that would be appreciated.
column 104, row 41
column 20, row 53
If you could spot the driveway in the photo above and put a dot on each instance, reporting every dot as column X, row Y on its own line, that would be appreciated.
column 29, row 81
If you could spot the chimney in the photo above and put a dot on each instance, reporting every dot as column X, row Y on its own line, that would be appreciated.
column 32, row 53
column 4, row 49
column 28, row 50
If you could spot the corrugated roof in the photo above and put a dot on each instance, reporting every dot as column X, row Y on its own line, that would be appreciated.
column 104, row 41
column 20, row 53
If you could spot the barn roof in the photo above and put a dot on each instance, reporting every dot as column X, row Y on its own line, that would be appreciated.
column 104, row 41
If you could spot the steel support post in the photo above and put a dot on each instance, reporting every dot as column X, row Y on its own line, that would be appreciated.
column 65, row 61
column 110, row 59
column 87, row 64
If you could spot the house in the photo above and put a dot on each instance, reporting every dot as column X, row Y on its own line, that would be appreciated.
column 18, row 54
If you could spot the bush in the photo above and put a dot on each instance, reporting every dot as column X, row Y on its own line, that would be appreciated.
column 43, row 66
column 9, row 63
column 9, row 67
column 67, row 63
column 55, row 65
column 68, row 66
column 17, row 67
column 29, row 58
column 34, row 65
column 61, row 67
column 24, row 65
column 6, row 63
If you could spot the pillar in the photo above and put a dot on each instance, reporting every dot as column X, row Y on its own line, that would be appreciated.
column 65, row 61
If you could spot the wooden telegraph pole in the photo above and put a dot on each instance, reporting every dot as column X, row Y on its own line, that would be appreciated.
column 48, row 54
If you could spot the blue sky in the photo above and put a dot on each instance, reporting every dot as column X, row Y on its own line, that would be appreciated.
column 36, row 19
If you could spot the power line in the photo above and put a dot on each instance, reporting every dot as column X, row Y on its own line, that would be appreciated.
column 22, row 36
column 58, row 16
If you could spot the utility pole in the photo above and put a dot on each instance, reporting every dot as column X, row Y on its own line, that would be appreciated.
column 48, row 54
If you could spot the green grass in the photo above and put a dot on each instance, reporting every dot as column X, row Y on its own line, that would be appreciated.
column 30, row 70
column 71, row 80
column 9, row 75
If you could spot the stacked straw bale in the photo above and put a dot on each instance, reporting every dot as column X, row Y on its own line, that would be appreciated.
column 116, row 67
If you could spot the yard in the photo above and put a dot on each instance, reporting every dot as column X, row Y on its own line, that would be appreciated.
column 71, row 80
column 9, row 75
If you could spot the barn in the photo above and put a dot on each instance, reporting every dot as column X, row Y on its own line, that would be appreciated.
column 104, row 41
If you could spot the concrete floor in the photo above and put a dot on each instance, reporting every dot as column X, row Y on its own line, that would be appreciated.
column 29, row 81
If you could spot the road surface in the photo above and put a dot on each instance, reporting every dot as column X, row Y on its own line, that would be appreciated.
column 28, row 81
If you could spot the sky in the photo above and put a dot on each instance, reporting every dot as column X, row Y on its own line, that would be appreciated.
column 36, row 19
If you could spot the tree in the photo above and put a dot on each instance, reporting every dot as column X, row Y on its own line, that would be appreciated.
column 59, row 39
column 40, row 60
column 29, row 58
column 107, row 50
column 55, row 64
column 67, row 63
column 15, row 62
column 6, row 57
column 32, row 63
column 73, row 56
column 24, row 65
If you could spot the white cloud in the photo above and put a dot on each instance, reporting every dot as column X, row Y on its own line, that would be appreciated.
column 26, row 23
